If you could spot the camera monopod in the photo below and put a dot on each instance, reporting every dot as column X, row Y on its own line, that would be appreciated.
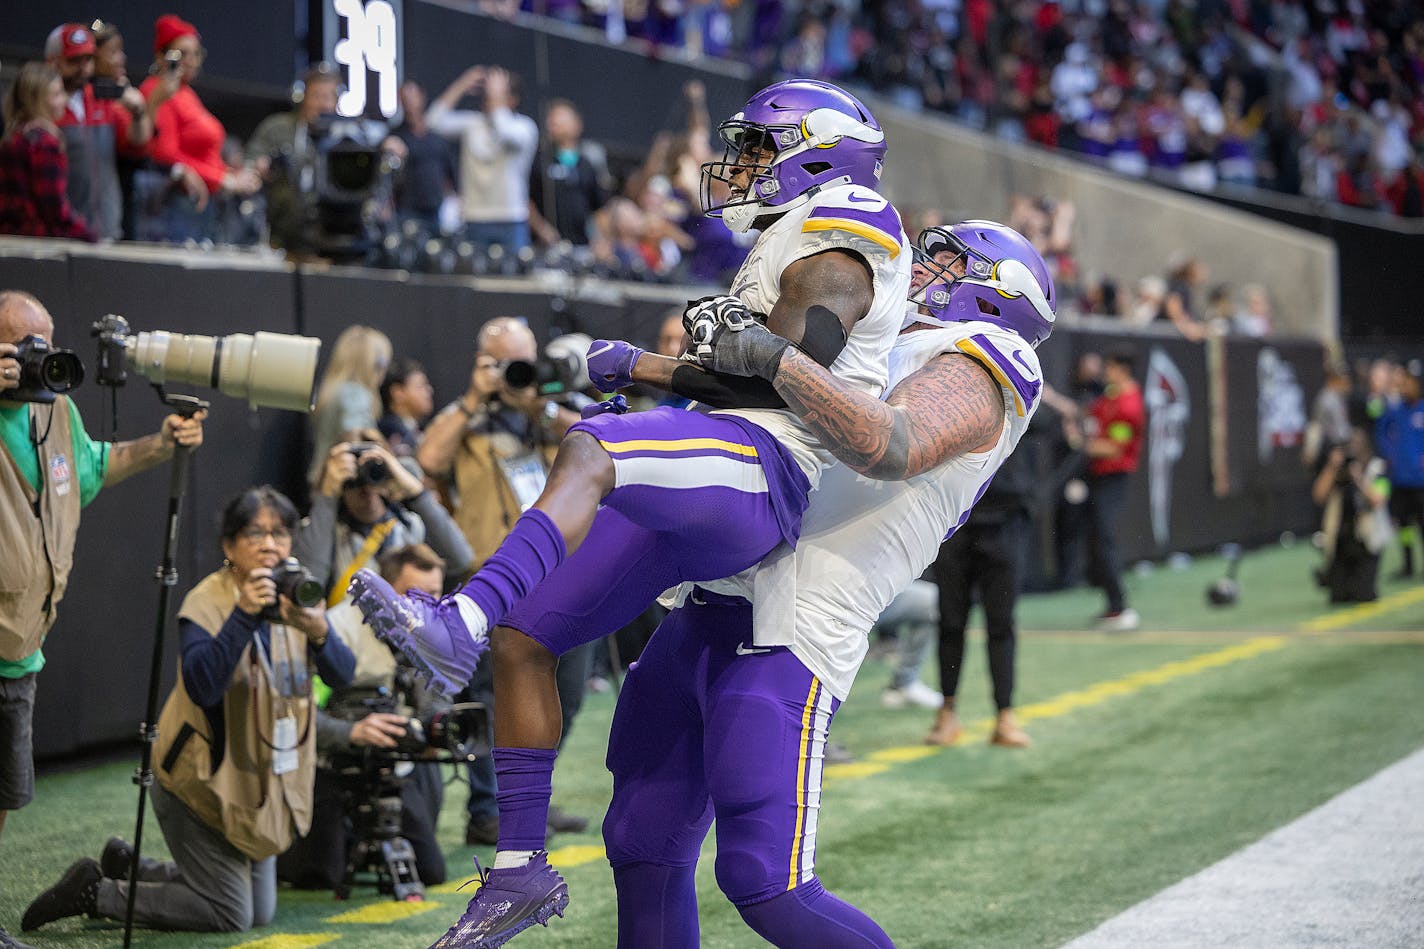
column 167, row 576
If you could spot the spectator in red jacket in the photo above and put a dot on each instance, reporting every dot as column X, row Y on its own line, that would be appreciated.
column 33, row 164
column 189, row 139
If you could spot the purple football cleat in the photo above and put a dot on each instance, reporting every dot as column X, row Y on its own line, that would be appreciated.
column 428, row 631
column 508, row 902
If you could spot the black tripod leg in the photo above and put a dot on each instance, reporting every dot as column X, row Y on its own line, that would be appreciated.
column 167, row 576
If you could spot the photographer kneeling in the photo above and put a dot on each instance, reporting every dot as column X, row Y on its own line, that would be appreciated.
column 349, row 726
column 368, row 503
column 236, row 749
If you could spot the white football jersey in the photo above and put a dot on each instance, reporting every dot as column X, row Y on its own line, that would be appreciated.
column 862, row 540
column 856, row 219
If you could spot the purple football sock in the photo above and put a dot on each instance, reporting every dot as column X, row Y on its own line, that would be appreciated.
column 811, row 916
column 529, row 553
column 524, row 779
column 657, row 906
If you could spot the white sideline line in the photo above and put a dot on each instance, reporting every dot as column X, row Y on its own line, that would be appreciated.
column 1349, row 873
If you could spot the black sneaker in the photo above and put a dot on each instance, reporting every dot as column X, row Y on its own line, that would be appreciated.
column 8, row 941
column 74, row 895
column 117, row 859
column 561, row 823
column 482, row 831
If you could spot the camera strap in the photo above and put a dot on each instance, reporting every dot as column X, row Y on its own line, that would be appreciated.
column 37, row 441
column 373, row 543
column 285, row 742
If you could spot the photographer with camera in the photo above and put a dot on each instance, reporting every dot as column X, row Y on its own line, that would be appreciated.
column 359, row 733
column 236, row 749
column 51, row 470
column 1353, row 489
column 367, row 502
column 285, row 145
column 491, row 450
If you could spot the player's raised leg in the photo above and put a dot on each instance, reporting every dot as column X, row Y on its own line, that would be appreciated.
column 724, row 487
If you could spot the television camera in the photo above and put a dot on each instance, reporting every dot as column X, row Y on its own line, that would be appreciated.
column 371, row 782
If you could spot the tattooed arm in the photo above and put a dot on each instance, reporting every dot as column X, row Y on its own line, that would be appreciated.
column 949, row 406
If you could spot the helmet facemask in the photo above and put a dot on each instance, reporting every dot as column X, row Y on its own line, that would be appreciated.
column 750, row 155
column 984, row 285
column 779, row 166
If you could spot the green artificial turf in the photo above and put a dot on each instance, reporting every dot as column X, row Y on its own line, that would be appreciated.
column 1120, row 796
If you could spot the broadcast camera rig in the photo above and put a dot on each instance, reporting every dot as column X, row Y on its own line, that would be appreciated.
column 371, row 790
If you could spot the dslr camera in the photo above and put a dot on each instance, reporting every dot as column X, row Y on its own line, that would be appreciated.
column 296, row 584
column 44, row 372
column 369, row 471
column 561, row 368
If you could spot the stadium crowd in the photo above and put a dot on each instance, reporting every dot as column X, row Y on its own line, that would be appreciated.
column 1317, row 99
column 1323, row 99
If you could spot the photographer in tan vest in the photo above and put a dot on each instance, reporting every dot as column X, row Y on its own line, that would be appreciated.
column 51, row 469
column 236, row 749
column 490, row 452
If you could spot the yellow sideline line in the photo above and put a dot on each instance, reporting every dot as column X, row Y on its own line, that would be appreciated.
column 883, row 760
column 381, row 913
column 289, row 941
column 1364, row 611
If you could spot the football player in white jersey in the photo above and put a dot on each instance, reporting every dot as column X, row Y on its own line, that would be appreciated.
column 727, row 711
column 639, row 503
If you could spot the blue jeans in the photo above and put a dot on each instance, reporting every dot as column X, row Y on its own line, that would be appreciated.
column 513, row 236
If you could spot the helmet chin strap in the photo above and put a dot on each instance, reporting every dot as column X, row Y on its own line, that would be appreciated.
column 740, row 217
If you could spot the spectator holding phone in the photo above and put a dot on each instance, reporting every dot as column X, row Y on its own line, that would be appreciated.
column 111, row 82
column 100, row 121
column 188, row 146
column 497, row 146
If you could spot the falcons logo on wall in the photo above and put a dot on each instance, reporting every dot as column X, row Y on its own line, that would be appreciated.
column 1169, row 409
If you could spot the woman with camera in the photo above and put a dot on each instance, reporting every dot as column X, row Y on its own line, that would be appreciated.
column 236, row 750
column 367, row 503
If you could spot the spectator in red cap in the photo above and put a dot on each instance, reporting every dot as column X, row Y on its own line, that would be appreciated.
column 188, row 145
column 96, row 130
column 33, row 164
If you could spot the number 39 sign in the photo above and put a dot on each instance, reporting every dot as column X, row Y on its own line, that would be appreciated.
column 363, row 37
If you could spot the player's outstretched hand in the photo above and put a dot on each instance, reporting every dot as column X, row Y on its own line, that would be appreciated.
column 617, row 405
column 721, row 309
column 610, row 364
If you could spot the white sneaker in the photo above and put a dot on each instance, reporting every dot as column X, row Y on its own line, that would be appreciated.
column 1124, row 621
column 922, row 696
column 916, row 693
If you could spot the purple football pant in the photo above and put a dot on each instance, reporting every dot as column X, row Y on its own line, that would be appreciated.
column 696, row 497
column 702, row 731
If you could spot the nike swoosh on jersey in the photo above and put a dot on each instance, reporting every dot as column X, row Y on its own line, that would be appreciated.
column 855, row 199
column 742, row 650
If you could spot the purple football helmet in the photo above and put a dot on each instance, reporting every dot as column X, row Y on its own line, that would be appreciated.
column 792, row 138
column 1005, row 280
